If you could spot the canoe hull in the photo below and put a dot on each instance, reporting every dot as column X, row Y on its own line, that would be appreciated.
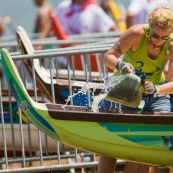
column 140, row 146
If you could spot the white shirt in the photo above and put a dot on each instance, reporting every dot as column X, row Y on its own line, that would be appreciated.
column 170, row 3
column 92, row 19
column 141, row 9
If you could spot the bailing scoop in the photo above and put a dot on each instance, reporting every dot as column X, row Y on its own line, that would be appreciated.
column 126, row 90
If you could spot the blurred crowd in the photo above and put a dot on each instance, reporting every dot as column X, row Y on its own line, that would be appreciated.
column 88, row 16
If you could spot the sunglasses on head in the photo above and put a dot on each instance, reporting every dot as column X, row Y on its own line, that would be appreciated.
column 154, row 35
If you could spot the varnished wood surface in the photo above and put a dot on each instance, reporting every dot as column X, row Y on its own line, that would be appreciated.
column 79, row 113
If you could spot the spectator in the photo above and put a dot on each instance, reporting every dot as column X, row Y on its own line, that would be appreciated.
column 83, row 16
column 170, row 2
column 118, row 15
column 42, row 24
column 138, row 10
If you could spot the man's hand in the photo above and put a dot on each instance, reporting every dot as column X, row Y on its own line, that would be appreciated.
column 149, row 87
column 124, row 67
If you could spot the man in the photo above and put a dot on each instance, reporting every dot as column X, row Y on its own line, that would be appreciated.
column 82, row 17
column 117, row 14
column 42, row 23
column 138, row 11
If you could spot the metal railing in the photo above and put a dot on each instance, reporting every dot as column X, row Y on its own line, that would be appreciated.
column 23, row 147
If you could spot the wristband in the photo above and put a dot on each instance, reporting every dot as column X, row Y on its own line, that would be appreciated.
column 117, row 65
column 156, row 89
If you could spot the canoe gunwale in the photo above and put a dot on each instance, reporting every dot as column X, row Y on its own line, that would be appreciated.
column 82, row 113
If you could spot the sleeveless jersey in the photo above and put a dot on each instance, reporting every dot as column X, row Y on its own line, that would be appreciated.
column 145, row 67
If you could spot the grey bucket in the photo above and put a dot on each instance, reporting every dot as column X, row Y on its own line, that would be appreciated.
column 126, row 91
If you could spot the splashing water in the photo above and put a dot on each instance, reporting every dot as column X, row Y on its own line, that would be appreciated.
column 81, row 91
column 124, row 89
column 108, row 83
column 97, row 100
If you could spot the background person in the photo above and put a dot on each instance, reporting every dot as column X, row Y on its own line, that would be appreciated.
column 138, row 11
column 43, row 25
column 2, row 27
column 115, row 11
column 83, row 17
column 42, row 22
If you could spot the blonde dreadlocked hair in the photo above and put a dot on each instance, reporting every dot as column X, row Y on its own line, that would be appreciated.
column 161, row 17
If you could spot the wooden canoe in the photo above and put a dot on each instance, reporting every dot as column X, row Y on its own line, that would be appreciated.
column 146, row 138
